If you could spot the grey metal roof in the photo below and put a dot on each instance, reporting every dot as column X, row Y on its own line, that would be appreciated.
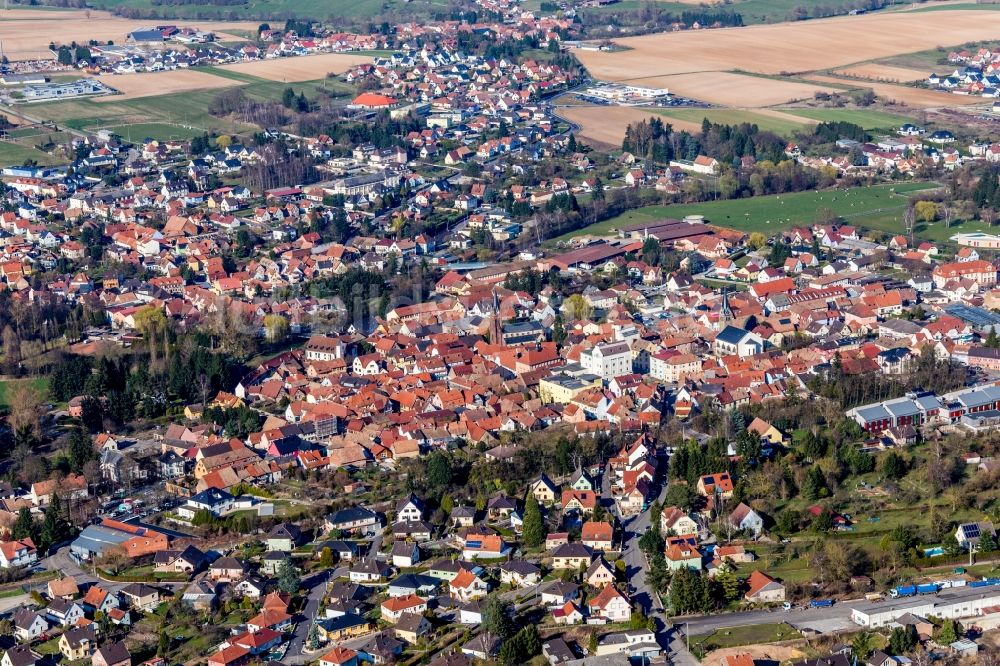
column 902, row 407
column 95, row 538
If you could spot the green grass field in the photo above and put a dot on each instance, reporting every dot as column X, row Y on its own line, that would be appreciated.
column 734, row 117
column 864, row 117
column 13, row 154
column 159, row 131
column 40, row 384
column 177, row 115
column 877, row 207
column 746, row 635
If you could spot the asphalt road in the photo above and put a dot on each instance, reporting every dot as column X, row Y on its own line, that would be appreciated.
column 317, row 585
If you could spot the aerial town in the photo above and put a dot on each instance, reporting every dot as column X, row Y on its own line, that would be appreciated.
column 488, row 334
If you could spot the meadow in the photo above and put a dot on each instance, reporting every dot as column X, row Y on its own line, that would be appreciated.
column 16, row 154
column 179, row 115
column 771, row 121
column 869, row 119
column 878, row 207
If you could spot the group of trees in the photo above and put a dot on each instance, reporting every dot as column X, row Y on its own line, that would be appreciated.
column 128, row 385
column 656, row 140
column 852, row 389
column 235, row 102
column 55, row 528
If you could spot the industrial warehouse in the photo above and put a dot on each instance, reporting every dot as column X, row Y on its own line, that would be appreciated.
column 954, row 603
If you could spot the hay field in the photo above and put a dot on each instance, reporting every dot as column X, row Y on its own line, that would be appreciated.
column 26, row 33
column 606, row 124
column 729, row 89
column 789, row 47
column 916, row 97
column 303, row 68
column 889, row 73
column 149, row 84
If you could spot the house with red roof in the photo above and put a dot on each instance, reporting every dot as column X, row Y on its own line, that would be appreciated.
column 764, row 589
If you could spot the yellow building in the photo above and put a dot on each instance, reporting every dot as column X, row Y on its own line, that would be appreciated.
column 561, row 389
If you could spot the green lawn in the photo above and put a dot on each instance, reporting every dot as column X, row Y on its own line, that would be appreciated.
column 161, row 131
column 176, row 115
column 746, row 635
column 13, row 154
column 864, row 117
column 40, row 384
column 735, row 117
column 878, row 207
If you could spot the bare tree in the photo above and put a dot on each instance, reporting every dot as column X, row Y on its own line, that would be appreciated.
column 25, row 412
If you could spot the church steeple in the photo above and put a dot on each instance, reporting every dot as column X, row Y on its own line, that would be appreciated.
column 727, row 313
column 496, row 329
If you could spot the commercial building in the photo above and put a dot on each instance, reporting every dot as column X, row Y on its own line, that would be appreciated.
column 954, row 603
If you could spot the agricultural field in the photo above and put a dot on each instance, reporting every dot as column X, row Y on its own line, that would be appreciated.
column 187, row 110
column 360, row 10
column 151, row 84
column 869, row 119
column 760, row 68
column 731, row 89
column 178, row 115
column 306, row 68
column 897, row 94
column 606, row 124
column 878, row 72
column 779, row 122
column 877, row 207
column 26, row 33
column 788, row 48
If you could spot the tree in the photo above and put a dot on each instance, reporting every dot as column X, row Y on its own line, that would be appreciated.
column 991, row 338
column 163, row 646
column 24, row 526
column 497, row 617
column 689, row 592
column 25, row 405
column 949, row 632
column 276, row 328
column 288, row 577
column 926, row 211
column 576, row 307
column 893, row 466
column 439, row 471
column 288, row 98
column 862, row 645
column 55, row 527
column 534, row 530
column 326, row 558
column 757, row 240
column 788, row 522
column 79, row 449
column 903, row 639
column 814, row 485
column 592, row 642
column 680, row 495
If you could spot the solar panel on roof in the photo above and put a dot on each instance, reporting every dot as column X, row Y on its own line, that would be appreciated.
column 972, row 531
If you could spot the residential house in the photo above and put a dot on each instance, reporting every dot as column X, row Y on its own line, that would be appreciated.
column 763, row 589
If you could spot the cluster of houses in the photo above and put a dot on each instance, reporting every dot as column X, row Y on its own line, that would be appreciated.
column 977, row 73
